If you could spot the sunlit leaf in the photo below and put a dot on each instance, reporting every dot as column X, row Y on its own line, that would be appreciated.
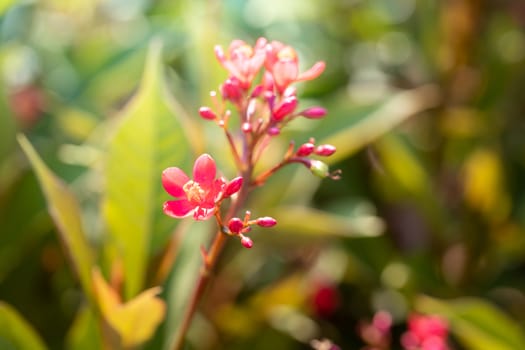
column 84, row 333
column 484, row 184
column 476, row 323
column 149, row 139
column 15, row 332
column 393, row 112
column 314, row 222
column 134, row 321
column 65, row 212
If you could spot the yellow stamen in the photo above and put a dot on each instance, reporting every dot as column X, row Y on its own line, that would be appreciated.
column 194, row 192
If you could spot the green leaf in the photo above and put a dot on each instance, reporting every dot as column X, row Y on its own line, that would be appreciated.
column 15, row 332
column 314, row 222
column 396, row 110
column 149, row 139
column 84, row 333
column 184, row 276
column 65, row 211
column 476, row 323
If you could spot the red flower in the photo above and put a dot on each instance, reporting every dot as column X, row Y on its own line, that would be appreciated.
column 198, row 196
column 243, row 62
column 283, row 63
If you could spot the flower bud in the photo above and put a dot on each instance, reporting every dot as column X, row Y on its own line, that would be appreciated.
column 207, row 113
column 266, row 221
column 233, row 186
column 314, row 113
column 274, row 131
column 246, row 127
column 285, row 108
column 231, row 89
column 235, row 225
column 305, row 149
column 246, row 242
column 325, row 150
column 319, row 168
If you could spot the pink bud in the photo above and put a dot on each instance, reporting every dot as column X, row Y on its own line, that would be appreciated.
column 207, row 113
column 231, row 89
column 285, row 108
column 314, row 113
column 246, row 127
column 246, row 242
column 257, row 91
column 274, row 131
column 235, row 225
column 233, row 186
column 325, row 150
column 266, row 221
column 306, row 149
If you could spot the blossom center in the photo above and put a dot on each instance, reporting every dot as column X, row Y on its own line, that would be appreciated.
column 245, row 51
column 194, row 192
column 286, row 54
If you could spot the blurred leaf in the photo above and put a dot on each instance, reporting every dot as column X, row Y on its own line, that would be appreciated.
column 403, row 166
column 134, row 321
column 183, row 277
column 65, row 211
column 84, row 334
column 476, row 323
column 5, row 5
column 313, row 222
column 7, row 131
column 484, row 184
column 15, row 332
column 148, row 140
column 396, row 110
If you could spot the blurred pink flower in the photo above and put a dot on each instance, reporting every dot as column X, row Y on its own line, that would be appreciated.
column 426, row 333
column 283, row 63
column 198, row 196
column 243, row 62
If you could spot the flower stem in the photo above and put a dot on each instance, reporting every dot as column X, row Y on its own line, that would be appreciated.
column 210, row 261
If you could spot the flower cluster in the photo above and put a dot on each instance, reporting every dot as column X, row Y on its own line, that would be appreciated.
column 260, row 89
column 377, row 333
column 239, row 228
column 425, row 333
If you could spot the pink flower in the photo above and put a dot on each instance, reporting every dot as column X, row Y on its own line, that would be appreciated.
column 426, row 333
column 243, row 62
column 283, row 63
column 198, row 196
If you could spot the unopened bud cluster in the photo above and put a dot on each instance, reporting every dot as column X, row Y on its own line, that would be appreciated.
column 239, row 228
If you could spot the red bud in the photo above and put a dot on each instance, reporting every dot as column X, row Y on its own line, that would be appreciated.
column 233, row 186
column 266, row 221
column 207, row 113
column 325, row 150
column 235, row 225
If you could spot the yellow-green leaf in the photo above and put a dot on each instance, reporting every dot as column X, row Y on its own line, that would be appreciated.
column 65, row 211
column 134, row 321
column 15, row 332
column 476, row 323
column 150, row 137
column 393, row 112
column 314, row 222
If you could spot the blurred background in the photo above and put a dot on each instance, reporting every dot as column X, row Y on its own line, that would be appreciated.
column 426, row 100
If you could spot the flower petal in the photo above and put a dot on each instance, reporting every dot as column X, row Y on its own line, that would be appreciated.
column 313, row 72
column 178, row 209
column 202, row 213
column 204, row 171
column 173, row 179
